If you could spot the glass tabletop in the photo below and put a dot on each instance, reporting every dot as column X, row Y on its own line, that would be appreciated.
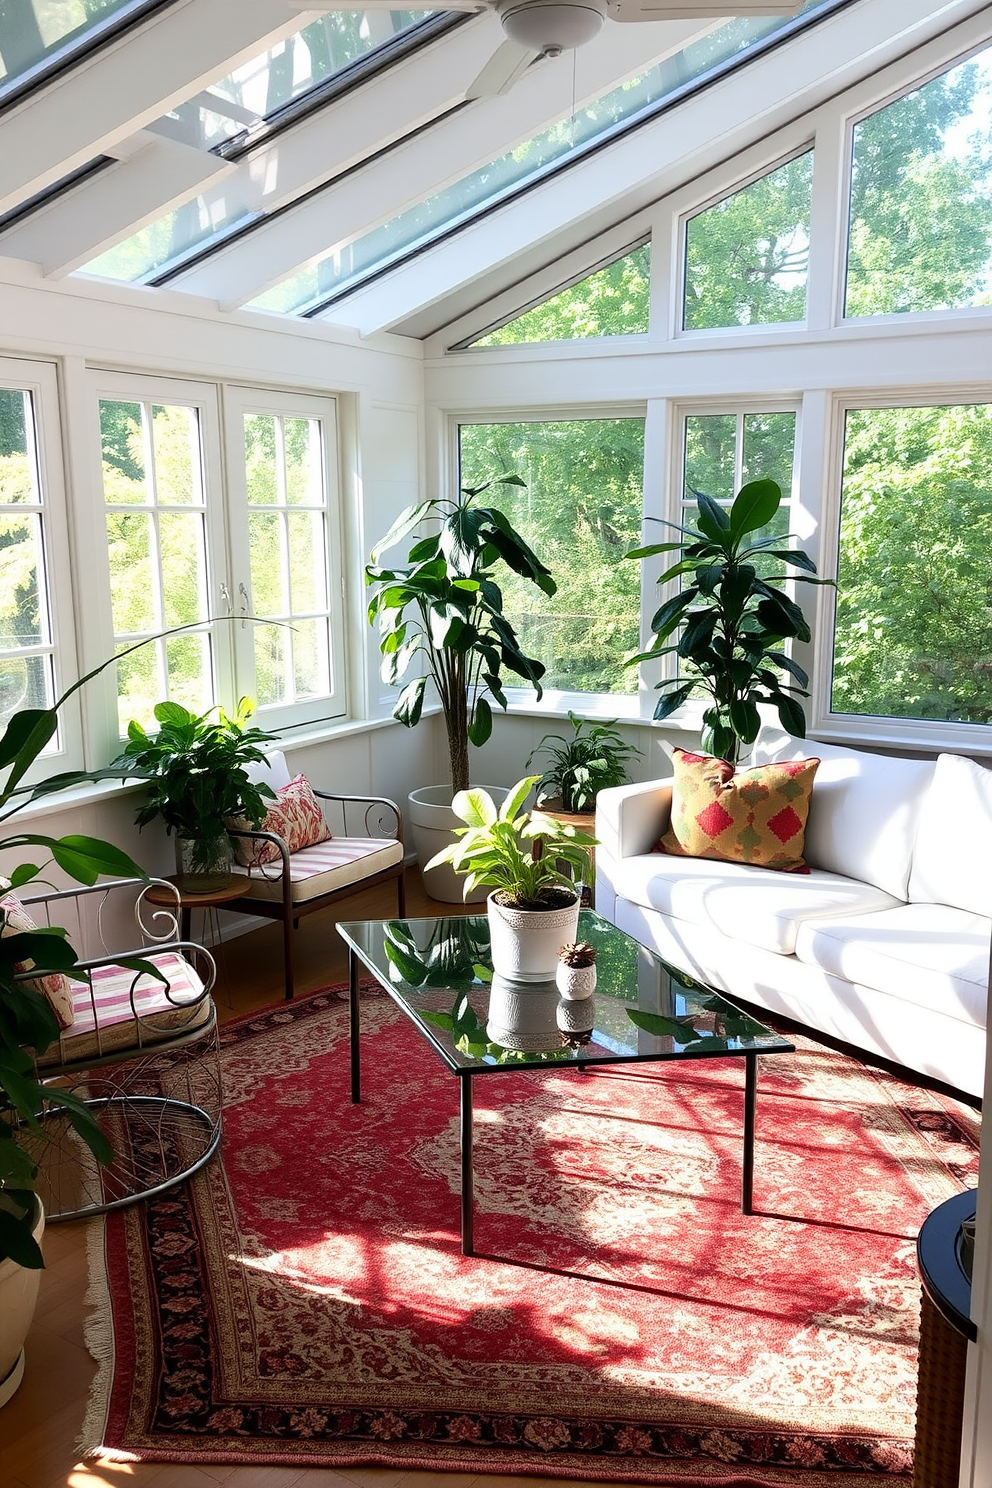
column 439, row 972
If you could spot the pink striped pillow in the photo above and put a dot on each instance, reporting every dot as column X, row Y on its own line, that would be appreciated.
column 295, row 816
column 55, row 987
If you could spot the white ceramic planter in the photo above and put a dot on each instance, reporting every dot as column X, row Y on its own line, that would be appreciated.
column 18, row 1295
column 526, row 942
column 575, row 982
column 522, row 1015
column 432, row 826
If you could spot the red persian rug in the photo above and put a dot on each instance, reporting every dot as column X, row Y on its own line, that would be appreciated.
column 305, row 1300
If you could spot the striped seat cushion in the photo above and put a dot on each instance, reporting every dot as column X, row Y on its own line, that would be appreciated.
column 318, row 870
column 104, row 1021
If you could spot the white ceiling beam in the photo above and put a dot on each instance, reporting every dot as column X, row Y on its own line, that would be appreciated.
column 159, row 176
column 629, row 175
column 440, row 155
column 130, row 83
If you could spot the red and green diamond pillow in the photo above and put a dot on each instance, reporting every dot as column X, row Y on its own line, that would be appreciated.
column 755, row 816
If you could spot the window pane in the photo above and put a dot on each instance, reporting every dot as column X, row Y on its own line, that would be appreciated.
column 769, row 448
column 288, row 554
column 746, row 257
column 26, row 643
column 921, row 198
column 913, row 635
column 710, row 455
column 611, row 302
column 580, row 511
column 31, row 32
column 158, row 555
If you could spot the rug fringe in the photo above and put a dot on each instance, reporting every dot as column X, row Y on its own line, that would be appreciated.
column 98, row 1333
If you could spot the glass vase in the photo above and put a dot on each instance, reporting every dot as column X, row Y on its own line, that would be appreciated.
column 203, row 864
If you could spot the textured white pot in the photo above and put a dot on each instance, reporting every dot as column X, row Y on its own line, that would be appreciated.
column 575, row 982
column 522, row 1016
column 18, row 1295
column 526, row 942
column 432, row 827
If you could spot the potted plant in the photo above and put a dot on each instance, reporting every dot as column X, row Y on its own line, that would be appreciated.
column 443, row 607
column 580, row 766
column 732, row 620
column 534, row 906
column 28, row 1025
column 194, row 766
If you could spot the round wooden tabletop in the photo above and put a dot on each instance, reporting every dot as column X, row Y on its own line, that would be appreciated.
column 189, row 900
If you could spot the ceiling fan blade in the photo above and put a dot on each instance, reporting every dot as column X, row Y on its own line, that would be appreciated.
column 691, row 10
column 507, row 63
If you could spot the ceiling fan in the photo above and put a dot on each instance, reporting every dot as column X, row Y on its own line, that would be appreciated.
column 536, row 29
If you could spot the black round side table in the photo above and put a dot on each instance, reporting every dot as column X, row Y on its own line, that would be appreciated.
column 945, row 1329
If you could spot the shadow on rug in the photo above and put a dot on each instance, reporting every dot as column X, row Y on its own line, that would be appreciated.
column 306, row 1302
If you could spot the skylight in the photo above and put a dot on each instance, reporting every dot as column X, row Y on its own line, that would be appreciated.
column 35, row 35
column 317, row 287
column 232, row 115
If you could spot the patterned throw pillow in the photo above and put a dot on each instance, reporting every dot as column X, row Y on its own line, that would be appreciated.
column 55, row 987
column 294, row 815
column 755, row 816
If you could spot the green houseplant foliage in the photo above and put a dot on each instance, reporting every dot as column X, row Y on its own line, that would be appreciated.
column 580, row 766
column 495, row 848
column 194, row 766
column 444, row 606
column 27, row 1023
column 731, row 622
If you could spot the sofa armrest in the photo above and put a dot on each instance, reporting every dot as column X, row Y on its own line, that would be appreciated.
column 631, row 818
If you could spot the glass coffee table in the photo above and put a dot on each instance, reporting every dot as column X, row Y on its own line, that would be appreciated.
column 439, row 973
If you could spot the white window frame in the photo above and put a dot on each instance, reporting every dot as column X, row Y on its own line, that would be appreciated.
column 40, row 379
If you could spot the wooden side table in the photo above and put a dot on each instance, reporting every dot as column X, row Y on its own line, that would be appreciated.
column 188, row 902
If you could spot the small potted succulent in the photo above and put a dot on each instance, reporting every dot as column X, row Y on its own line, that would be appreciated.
column 521, row 856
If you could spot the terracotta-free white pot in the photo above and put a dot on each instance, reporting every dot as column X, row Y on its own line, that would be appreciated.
column 18, row 1296
column 525, row 942
column 575, row 982
column 522, row 1015
column 432, row 827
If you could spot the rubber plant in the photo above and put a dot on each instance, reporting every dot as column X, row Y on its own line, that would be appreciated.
column 27, row 1023
column 730, row 621
column 444, row 605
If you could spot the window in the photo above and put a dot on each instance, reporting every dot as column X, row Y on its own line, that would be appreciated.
column 920, row 233
column 186, row 551
column 581, row 511
column 33, row 567
column 746, row 257
column 913, row 630
column 611, row 302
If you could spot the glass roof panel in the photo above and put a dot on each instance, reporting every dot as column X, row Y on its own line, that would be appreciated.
column 235, row 108
column 311, row 289
column 33, row 32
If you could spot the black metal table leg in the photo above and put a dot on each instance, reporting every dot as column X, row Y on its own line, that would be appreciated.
column 356, row 1071
column 750, row 1106
column 465, row 1085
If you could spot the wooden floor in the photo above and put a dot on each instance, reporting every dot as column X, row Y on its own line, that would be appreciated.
column 39, row 1427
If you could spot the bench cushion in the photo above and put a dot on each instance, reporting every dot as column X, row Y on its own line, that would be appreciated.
column 105, row 1023
column 928, row 954
column 315, row 871
column 756, row 905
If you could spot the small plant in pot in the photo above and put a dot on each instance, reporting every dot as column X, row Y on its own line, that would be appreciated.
column 533, row 907
column 197, row 783
column 580, row 766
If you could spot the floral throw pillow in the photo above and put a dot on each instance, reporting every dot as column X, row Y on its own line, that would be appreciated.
column 55, row 987
column 755, row 816
column 294, row 815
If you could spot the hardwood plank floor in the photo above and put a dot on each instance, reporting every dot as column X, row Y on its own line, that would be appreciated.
column 39, row 1427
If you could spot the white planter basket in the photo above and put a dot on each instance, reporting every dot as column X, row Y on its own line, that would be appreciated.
column 526, row 942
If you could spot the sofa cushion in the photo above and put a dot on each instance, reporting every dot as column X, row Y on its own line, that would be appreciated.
column 952, row 863
column 928, row 954
column 295, row 816
column 864, row 811
column 54, row 987
column 755, row 816
column 754, row 905
column 315, row 871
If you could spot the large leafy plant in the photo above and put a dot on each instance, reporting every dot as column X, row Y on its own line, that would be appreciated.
column 194, row 766
column 445, row 607
column 27, row 1023
column 731, row 621
column 496, row 848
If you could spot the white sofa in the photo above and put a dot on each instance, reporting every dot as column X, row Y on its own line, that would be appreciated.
column 885, row 944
